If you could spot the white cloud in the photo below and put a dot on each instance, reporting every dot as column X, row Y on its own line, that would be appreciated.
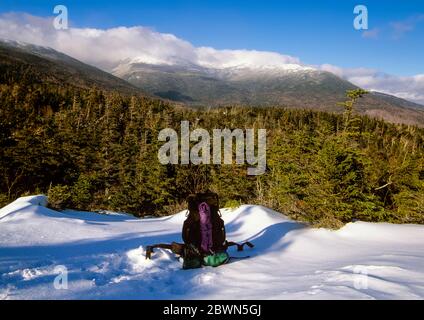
column 409, row 88
column 107, row 48
column 104, row 48
column 213, row 58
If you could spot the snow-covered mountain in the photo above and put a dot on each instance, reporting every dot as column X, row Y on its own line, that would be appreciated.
column 103, row 255
column 253, row 81
column 232, row 71
column 272, row 83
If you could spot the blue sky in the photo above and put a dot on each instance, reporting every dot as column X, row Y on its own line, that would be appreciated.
column 315, row 31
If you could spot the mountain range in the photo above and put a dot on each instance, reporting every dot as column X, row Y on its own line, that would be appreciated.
column 289, row 85
column 23, row 61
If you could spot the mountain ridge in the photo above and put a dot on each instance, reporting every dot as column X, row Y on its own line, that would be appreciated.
column 300, row 87
column 291, row 85
column 44, row 64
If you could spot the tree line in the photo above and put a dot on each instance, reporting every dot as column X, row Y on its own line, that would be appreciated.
column 97, row 150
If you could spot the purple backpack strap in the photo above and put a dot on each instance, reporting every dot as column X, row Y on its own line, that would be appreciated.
column 205, row 227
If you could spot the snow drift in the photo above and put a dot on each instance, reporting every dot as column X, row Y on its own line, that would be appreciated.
column 104, row 257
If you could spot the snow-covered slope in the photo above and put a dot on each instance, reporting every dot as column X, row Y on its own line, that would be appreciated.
column 104, row 256
column 266, row 82
column 232, row 72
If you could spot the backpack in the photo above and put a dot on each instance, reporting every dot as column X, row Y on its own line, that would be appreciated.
column 192, row 233
column 203, row 234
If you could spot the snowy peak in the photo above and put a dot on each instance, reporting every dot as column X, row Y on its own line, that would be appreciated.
column 258, row 80
column 271, row 68
column 236, row 82
column 221, row 71
column 209, row 79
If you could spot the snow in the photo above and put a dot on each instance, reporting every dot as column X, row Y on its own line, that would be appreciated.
column 104, row 257
column 236, row 72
